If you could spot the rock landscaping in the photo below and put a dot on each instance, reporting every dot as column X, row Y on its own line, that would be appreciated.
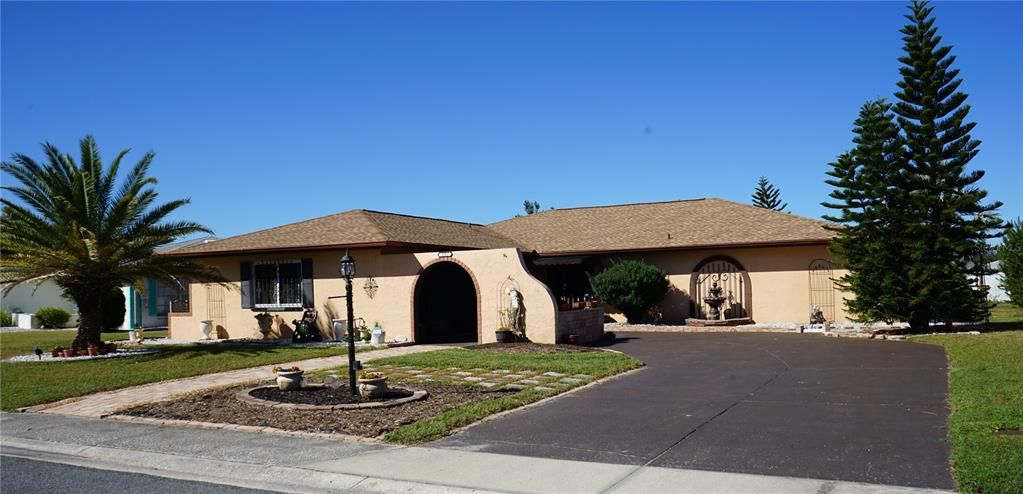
column 223, row 406
column 48, row 357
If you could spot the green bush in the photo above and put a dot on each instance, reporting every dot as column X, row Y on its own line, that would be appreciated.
column 631, row 286
column 6, row 318
column 52, row 317
column 113, row 309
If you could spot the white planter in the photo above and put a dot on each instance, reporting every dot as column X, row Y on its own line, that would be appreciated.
column 131, row 335
column 206, row 327
column 340, row 330
column 376, row 337
column 289, row 380
column 373, row 388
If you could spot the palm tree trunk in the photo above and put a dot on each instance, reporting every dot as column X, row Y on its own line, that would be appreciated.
column 90, row 319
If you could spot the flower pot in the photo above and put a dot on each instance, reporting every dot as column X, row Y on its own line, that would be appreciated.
column 111, row 347
column 373, row 388
column 504, row 336
column 289, row 380
column 205, row 327
column 57, row 352
column 573, row 339
column 68, row 352
column 93, row 351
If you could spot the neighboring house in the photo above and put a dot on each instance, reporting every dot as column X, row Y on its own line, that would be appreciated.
column 145, row 308
column 432, row 280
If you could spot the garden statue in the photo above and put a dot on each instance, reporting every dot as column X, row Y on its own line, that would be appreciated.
column 515, row 311
column 817, row 315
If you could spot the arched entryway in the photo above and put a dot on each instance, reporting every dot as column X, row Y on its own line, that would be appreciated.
column 733, row 280
column 445, row 305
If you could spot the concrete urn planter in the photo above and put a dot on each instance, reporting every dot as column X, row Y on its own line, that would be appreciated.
column 372, row 388
column 205, row 327
column 289, row 380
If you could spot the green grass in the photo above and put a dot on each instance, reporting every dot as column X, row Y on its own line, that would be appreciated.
column 23, row 342
column 597, row 364
column 1005, row 312
column 24, row 384
column 986, row 393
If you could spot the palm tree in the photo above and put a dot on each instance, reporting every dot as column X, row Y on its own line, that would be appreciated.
column 75, row 225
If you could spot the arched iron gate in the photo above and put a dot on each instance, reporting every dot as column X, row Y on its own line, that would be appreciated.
column 735, row 286
column 822, row 289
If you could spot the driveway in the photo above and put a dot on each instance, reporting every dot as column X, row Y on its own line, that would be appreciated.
column 765, row 403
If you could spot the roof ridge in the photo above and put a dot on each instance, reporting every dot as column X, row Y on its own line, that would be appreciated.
column 388, row 213
column 261, row 230
column 627, row 204
column 784, row 213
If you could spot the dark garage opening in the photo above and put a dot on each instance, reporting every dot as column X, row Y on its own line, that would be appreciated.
column 445, row 305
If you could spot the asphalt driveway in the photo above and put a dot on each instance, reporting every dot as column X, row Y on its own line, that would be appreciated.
column 776, row 404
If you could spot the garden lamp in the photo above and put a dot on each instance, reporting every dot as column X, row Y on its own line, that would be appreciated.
column 347, row 269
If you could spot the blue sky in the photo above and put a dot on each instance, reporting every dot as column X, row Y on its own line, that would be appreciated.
column 269, row 113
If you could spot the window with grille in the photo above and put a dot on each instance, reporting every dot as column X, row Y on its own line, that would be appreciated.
column 277, row 284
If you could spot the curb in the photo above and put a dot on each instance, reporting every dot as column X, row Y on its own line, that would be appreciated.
column 195, row 424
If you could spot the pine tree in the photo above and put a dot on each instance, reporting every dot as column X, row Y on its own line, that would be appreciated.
column 950, row 223
column 1010, row 259
column 531, row 207
column 871, row 204
column 767, row 196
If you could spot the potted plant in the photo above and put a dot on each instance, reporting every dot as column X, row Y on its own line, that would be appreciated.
column 58, row 351
column 289, row 379
column 504, row 335
column 111, row 347
column 69, row 352
column 573, row 339
column 372, row 385
column 364, row 333
column 92, row 350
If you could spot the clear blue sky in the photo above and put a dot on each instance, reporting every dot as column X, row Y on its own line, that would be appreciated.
column 269, row 113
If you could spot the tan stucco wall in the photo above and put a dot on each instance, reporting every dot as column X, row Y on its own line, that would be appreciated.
column 493, row 271
column 779, row 277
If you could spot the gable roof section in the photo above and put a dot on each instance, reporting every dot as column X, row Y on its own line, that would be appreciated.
column 356, row 228
column 697, row 223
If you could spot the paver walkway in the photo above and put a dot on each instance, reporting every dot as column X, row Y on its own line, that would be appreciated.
column 497, row 378
column 106, row 403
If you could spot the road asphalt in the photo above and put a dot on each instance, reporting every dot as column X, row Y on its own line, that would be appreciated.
column 761, row 403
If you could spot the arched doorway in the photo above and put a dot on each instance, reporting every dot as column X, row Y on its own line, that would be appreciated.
column 445, row 305
column 734, row 282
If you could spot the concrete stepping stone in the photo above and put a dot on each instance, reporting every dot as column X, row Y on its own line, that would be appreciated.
column 462, row 373
column 501, row 371
column 514, row 386
column 513, row 376
column 553, row 374
column 473, row 379
column 571, row 380
column 416, row 371
column 487, row 385
column 543, row 388
column 583, row 376
column 529, row 381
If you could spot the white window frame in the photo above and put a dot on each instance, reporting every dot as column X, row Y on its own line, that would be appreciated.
column 277, row 284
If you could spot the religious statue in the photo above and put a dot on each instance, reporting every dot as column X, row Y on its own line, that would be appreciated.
column 515, row 311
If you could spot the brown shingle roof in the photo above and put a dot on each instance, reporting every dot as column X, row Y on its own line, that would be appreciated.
column 659, row 225
column 357, row 228
column 683, row 224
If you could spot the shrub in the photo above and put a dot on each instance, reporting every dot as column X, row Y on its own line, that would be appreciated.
column 52, row 317
column 6, row 318
column 113, row 309
column 632, row 286
column 1010, row 260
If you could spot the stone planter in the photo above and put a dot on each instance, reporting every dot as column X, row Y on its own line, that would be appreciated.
column 373, row 388
column 504, row 336
column 206, row 327
column 289, row 380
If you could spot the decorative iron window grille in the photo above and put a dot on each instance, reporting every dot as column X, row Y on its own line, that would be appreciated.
column 277, row 284
column 734, row 282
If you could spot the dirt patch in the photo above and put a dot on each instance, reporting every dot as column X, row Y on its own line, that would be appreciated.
column 326, row 395
column 527, row 347
column 221, row 406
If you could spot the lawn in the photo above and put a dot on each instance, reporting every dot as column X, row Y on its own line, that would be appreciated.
column 24, row 384
column 1005, row 312
column 986, row 394
column 596, row 364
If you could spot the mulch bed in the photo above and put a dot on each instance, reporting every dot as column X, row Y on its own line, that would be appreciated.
column 529, row 347
column 328, row 395
column 221, row 406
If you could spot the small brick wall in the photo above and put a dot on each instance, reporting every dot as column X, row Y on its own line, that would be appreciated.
column 587, row 323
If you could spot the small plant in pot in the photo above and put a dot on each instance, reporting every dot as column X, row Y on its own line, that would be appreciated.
column 505, row 335
column 289, row 378
column 372, row 385
column 58, row 351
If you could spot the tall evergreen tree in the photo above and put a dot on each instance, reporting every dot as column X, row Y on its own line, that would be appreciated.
column 870, row 203
column 531, row 207
column 1010, row 259
column 951, row 223
column 768, row 196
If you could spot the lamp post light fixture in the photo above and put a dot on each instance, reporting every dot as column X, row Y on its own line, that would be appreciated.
column 347, row 270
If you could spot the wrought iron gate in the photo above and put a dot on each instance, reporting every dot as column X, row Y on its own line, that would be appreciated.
column 734, row 282
column 215, row 306
column 822, row 289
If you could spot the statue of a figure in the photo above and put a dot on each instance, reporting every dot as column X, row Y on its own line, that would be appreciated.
column 515, row 311
column 817, row 315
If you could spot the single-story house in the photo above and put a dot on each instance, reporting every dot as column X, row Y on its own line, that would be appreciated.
column 434, row 280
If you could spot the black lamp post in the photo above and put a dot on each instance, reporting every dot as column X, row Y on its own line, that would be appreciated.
column 347, row 270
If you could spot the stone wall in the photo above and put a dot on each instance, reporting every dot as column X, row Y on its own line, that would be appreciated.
column 587, row 323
